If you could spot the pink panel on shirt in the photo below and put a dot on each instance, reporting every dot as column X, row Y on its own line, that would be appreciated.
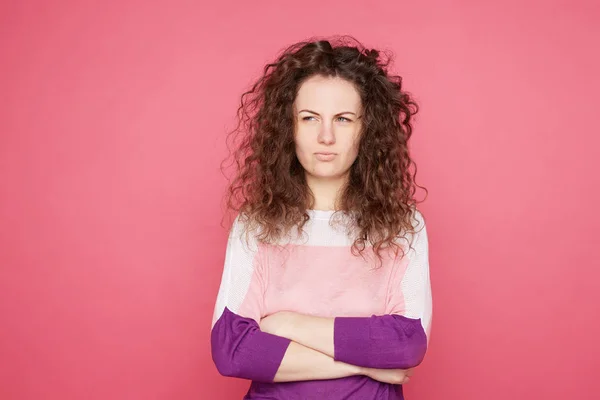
column 326, row 281
column 253, row 304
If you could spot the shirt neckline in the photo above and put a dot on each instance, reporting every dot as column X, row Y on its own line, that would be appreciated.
column 320, row 214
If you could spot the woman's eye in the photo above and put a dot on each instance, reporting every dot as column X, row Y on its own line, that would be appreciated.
column 312, row 118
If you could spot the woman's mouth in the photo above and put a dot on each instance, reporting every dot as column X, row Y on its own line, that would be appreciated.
column 325, row 156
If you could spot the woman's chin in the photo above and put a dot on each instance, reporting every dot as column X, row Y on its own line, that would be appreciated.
column 327, row 175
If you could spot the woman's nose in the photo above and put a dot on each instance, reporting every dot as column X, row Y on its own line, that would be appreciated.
column 327, row 135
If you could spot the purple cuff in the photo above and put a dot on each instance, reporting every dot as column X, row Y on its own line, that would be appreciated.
column 240, row 349
column 386, row 341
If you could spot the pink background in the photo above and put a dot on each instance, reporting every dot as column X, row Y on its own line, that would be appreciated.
column 112, row 124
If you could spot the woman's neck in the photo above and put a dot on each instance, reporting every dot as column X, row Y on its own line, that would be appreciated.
column 325, row 191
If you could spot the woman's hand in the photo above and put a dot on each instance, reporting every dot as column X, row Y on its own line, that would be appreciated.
column 278, row 323
column 393, row 376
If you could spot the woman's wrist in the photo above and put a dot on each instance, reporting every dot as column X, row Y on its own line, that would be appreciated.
column 351, row 370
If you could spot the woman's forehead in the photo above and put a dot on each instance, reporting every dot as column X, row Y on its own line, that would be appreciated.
column 328, row 95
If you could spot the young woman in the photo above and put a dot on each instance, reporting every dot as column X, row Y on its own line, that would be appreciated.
column 325, row 292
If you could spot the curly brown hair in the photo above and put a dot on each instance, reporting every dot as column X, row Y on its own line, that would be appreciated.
column 269, row 189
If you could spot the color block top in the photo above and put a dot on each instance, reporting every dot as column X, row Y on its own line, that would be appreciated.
column 382, row 315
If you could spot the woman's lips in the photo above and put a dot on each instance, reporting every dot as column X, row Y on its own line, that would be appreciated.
column 325, row 156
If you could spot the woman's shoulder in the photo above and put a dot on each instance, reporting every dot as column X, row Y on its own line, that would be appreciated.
column 418, row 235
column 414, row 229
column 417, row 217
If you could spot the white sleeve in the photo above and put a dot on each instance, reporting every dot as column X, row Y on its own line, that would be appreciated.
column 241, row 284
column 415, row 284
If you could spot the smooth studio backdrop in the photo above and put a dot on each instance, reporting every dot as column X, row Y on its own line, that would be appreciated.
column 112, row 125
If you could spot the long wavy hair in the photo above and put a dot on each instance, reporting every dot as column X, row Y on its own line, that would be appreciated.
column 268, row 189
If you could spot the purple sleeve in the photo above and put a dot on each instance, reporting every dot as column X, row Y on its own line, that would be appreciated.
column 240, row 349
column 386, row 341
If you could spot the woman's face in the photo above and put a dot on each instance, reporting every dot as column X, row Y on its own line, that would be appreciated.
column 327, row 131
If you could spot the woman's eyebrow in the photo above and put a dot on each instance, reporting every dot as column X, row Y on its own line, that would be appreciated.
column 316, row 113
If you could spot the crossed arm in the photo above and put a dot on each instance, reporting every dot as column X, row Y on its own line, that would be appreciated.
column 351, row 346
column 289, row 346
column 386, row 341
